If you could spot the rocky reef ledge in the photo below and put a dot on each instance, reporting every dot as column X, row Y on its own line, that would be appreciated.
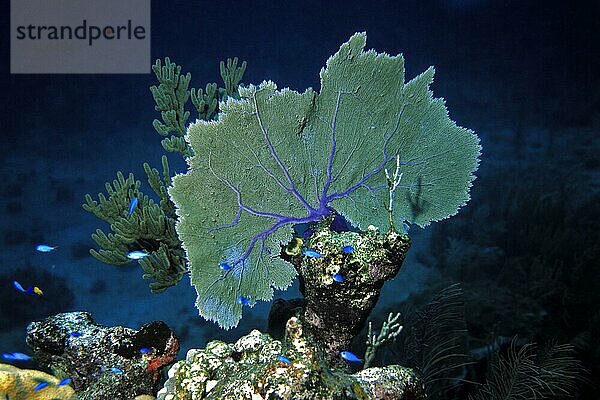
column 257, row 367
column 116, row 363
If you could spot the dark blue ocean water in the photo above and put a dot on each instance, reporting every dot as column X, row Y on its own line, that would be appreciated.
column 522, row 74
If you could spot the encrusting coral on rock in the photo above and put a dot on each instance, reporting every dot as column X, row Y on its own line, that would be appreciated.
column 258, row 367
column 20, row 384
column 343, row 284
column 116, row 363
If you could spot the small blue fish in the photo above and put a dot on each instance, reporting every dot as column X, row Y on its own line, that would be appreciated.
column 116, row 370
column 132, row 205
column 136, row 255
column 145, row 350
column 40, row 386
column 243, row 300
column 284, row 359
column 64, row 382
column 18, row 286
column 225, row 266
column 312, row 253
column 349, row 356
column 74, row 334
column 348, row 249
column 338, row 278
column 16, row 357
column 44, row 248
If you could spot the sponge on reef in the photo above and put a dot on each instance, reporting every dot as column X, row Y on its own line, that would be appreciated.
column 19, row 384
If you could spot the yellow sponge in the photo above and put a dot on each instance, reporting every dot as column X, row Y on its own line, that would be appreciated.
column 19, row 384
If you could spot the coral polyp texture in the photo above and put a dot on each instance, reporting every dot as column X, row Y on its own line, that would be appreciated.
column 277, row 158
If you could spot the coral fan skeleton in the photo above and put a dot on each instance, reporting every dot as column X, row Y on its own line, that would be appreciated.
column 314, row 214
column 274, row 160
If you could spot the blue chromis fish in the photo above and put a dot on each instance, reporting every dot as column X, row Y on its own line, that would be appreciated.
column 312, row 253
column 44, row 248
column 243, row 300
column 349, row 356
column 225, row 266
column 284, row 359
column 136, row 255
column 338, row 277
column 64, row 382
column 132, row 205
column 18, row 286
column 116, row 370
column 348, row 249
column 16, row 357
column 145, row 350
column 74, row 334
column 40, row 386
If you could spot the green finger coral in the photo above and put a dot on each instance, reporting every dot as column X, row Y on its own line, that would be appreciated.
column 277, row 158
column 149, row 227
column 172, row 94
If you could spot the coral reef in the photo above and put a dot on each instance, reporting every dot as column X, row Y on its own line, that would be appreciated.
column 258, row 367
column 278, row 158
column 103, row 362
column 172, row 94
column 263, row 162
column 20, row 384
column 335, row 312
column 148, row 227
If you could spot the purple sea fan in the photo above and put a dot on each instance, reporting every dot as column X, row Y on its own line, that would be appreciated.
column 276, row 158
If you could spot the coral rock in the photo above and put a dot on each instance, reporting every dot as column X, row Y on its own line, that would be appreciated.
column 252, row 368
column 103, row 362
column 19, row 384
column 335, row 312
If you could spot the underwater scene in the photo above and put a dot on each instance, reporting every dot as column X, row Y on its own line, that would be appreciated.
column 263, row 200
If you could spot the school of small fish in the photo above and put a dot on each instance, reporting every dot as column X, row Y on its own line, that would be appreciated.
column 36, row 291
column 138, row 255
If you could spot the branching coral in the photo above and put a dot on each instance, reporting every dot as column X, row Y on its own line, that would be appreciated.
column 150, row 227
column 172, row 94
column 390, row 329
